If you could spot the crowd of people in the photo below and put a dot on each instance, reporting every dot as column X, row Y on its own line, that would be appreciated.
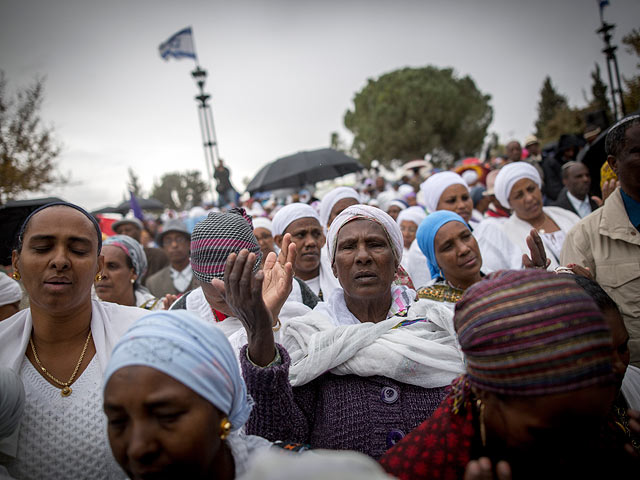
column 478, row 322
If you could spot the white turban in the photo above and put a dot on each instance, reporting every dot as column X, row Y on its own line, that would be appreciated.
column 397, row 203
column 354, row 212
column 290, row 213
column 405, row 189
column 385, row 198
column 262, row 222
column 509, row 175
column 334, row 196
column 470, row 176
column 412, row 214
column 434, row 186
column 11, row 402
column 10, row 291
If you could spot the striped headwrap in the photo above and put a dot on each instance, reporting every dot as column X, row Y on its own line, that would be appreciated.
column 218, row 236
column 132, row 249
column 532, row 332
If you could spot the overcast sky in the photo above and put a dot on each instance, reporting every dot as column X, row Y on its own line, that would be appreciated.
column 282, row 73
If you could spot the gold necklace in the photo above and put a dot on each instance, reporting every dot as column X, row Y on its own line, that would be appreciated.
column 66, row 389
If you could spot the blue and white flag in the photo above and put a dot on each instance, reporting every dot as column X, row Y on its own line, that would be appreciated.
column 179, row 45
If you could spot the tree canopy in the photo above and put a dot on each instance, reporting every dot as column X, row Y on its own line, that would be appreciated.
column 180, row 190
column 28, row 150
column 410, row 112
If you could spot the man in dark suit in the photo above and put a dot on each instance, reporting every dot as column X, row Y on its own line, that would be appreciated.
column 176, row 278
column 575, row 194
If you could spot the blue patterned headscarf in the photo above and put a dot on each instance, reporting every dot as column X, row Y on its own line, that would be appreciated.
column 427, row 233
column 132, row 249
column 195, row 353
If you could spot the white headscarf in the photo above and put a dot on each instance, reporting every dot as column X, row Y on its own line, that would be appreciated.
column 291, row 213
column 333, row 197
column 509, row 175
column 397, row 203
column 412, row 214
column 262, row 222
column 353, row 212
column 434, row 186
column 385, row 198
column 404, row 190
column 10, row 291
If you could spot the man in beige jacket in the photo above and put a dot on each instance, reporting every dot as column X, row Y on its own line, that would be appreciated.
column 608, row 240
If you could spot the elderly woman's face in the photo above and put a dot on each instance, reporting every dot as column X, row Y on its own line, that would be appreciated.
column 526, row 199
column 115, row 285
column 364, row 261
column 59, row 259
column 456, row 198
column 159, row 428
column 457, row 253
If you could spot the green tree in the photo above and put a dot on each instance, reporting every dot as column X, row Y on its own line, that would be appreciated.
column 631, row 94
column 28, row 150
column 550, row 102
column 134, row 183
column 408, row 113
column 599, row 100
column 180, row 190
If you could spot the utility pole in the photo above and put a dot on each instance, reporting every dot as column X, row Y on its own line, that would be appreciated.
column 617, row 101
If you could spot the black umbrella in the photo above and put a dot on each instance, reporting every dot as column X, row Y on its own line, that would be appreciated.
column 594, row 156
column 145, row 204
column 303, row 168
column 12, row 215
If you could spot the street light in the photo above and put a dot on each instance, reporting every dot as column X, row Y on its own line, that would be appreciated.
column 610, row 52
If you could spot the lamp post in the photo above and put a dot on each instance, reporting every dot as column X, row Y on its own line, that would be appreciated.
column 205, row 116
column 617, row 101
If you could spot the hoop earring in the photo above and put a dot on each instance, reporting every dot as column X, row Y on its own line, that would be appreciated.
column 483, row 430
column 98, row 277
column 225, row 428
column 16, row 275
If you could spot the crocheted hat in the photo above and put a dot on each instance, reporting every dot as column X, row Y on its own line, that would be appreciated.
column 532, row 332
column 216, row 237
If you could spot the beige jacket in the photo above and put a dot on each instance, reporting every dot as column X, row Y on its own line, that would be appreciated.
column 607, row 243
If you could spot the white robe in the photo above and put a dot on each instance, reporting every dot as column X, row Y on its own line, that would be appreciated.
column 497, row 250
column 517, row 230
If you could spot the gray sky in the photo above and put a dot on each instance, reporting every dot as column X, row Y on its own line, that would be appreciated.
column 282, row 72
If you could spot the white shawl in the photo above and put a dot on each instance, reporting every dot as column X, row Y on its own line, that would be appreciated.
column 109, row 322
column 424, row 353
column 517, row 230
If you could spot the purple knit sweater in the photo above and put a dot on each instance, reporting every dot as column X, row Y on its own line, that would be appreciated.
column 340, row 412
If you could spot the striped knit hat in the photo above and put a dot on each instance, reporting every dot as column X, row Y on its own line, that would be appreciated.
column 216, row 237
column 531, row 332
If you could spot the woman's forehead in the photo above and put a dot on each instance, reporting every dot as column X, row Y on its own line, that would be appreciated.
column 60, row 219
column 361, row 226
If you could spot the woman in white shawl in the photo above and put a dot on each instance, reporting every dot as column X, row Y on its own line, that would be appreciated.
column 360, row 370
column 60, row 347
column 518, row 187
column 409, row 220
column 186, row 370
column 448, row 191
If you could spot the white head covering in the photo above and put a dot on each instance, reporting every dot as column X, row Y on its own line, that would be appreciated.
column 10, row 291
column 509, row 175
column 291, row 213
column 470, row 176
column 412, row 214
column 385, row 198
column 11, row 402
column 262, row 222
column 405, row 189
column 397, row 203
column 434, row 186
column 333, row 197
column 354, row 212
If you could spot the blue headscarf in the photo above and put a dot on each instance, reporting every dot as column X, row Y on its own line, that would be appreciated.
column 427, row 233
column 132, row 249
column 193, row 352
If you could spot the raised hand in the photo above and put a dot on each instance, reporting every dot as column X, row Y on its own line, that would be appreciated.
column 243, row 294
column 481, row 470
column 168, row 300
column 608, row 188
column 278, row 276
column 538, row 257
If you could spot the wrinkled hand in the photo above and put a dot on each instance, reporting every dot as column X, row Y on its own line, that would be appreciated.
column 538, row 254
column 278, row 276
column 608, row 188
column 481, row 470
column 243, row 295
column 634, row 425
column 580, row 270
column 168, row 300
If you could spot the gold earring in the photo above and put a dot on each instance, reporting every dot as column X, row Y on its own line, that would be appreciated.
column 483, row 431
column 16, row 275
column 225, row 428
column 98, row 277
column 133, row 280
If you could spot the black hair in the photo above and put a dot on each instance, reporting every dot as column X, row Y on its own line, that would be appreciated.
column 595, row 291
column 615, row 141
